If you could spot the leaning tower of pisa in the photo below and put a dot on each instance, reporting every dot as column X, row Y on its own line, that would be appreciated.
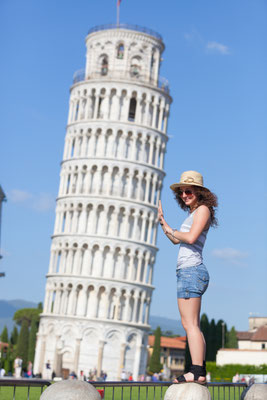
column 99, row 283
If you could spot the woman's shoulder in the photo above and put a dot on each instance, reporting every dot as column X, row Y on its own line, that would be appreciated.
column 203, row 210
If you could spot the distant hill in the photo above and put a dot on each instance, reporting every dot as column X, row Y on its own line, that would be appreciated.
column 167, row 324
column 7, row 310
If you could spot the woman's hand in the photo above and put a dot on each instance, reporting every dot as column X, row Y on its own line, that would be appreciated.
column 161, row 219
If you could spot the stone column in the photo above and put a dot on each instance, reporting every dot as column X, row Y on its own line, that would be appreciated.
column 151, row 151
column 100, row 356
column 39, row 354
column 77, row 355
column 143, row 298
column 137, row 362
column 143, row 230
column 147, row 310
column 96, row 106
column 56, row 363
column 166, row 118
column 121, row 363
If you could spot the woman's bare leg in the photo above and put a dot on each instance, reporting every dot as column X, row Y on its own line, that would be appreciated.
column 190, row 316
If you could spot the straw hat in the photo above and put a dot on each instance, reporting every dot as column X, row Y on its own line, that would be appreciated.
column 189, row 178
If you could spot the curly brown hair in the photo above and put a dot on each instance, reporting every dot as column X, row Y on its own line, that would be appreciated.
column 204, row 197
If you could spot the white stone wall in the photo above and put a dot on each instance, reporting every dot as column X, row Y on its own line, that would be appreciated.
column 99, row 282
column 234, row 356
column 249, row 345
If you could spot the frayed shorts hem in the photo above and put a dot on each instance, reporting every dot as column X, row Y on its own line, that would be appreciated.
column 187, row 295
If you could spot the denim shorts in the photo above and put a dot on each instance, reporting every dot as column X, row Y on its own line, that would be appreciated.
column 192, row 281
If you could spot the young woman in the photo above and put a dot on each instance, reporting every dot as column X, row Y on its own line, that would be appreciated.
column 192, row 275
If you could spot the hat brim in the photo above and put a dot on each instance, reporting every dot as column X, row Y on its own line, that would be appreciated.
column 175, row 186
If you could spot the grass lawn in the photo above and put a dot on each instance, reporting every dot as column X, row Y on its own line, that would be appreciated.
column 6, row 393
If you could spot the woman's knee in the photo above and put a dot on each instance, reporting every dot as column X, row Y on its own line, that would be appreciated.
column 189, row 324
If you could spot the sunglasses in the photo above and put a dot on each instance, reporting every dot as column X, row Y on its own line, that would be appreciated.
column 188, row 192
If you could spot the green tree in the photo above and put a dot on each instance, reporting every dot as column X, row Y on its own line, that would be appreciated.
column 221, row 329
column 204, row 326
column 32, row 339
column 14, row 336
column 211, row 345
column 154, row 364
column 4, row 339
column 231, row 339
column 23, row 343
column 4, row 335
column 26, row 314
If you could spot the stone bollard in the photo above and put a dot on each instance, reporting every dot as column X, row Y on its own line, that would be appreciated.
column 187, row 391
column 257, row 391
column 70, row 390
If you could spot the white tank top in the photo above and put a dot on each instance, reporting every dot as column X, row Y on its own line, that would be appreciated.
column 190, row 255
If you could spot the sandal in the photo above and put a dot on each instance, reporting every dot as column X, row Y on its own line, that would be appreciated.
column 197, row 371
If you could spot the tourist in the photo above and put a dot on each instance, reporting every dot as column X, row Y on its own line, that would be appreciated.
column 2, row 372
column 18, row 367
column 236, row 378
column 123, row 376
column 29, row 369
column 192, row 275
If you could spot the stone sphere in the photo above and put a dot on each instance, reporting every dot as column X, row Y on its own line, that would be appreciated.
column 187, row 391
column 70, row 390
column 258, row 391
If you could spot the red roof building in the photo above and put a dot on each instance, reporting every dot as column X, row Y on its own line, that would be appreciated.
column 172, row 354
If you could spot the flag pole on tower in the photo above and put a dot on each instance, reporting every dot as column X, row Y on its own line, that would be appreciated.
column 118, row 12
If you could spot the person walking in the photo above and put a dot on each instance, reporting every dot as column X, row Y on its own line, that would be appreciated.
column 192, row 274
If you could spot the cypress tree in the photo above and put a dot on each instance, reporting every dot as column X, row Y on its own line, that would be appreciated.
column 32, row 339
column 204, row 326
column 154, row 364
column 4, row 335
column 23, row 343
column 4, row 339
column 14, row 336
column 212, row 341
column 231, row 339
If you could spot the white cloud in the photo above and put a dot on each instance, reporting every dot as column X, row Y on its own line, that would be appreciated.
column 44, row 202
column 229, row 254
column 193, row 36
column 216, row 47
column 19, row 196
column 38, row 202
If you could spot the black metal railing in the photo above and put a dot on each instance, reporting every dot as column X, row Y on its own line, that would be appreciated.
column 125, row 26
column 116, row 390
column 162, row 83
column 23, row 388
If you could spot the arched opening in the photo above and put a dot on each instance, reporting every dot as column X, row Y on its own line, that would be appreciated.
column 104, row 65
column 132, row 109
column 135, row 68
column 120, row 51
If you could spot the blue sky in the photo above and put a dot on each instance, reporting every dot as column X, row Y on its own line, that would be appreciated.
column 215, row 61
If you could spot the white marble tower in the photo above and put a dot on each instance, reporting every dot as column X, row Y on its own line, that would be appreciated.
column 99, row 283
